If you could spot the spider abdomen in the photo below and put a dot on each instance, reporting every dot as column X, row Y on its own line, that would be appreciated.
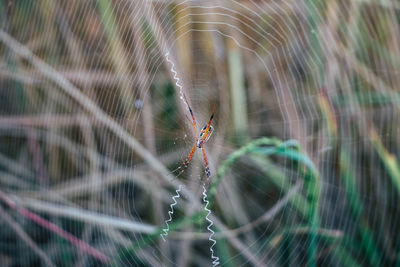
column 205, row 134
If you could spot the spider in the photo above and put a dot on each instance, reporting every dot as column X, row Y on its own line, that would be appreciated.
column 205, row 134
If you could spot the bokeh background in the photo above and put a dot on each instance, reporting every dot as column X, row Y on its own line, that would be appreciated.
column 304, row 157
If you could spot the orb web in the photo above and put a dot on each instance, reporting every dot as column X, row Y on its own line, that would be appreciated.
column 303, row 158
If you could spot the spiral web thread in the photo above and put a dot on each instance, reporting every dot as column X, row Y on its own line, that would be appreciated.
column 176, row 78
column 215, row 259
column 175, row 197
column 170, row 213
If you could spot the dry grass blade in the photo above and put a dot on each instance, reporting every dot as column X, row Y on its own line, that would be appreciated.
column 87, row 216
column 28, row 241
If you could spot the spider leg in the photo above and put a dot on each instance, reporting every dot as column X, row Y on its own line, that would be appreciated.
column 191, row 114
column 212, row 116
column 184, row 165
column 206, row 129
column 204, row 135
column 207, row 169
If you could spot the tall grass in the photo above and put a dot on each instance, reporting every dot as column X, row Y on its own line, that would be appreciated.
column 304, row 157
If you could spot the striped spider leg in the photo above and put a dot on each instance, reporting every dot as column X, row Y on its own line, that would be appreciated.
column 204, row 136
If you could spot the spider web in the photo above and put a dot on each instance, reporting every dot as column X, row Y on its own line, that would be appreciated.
column 92, row 123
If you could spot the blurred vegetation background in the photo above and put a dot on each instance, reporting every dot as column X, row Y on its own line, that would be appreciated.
column 304, row 155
